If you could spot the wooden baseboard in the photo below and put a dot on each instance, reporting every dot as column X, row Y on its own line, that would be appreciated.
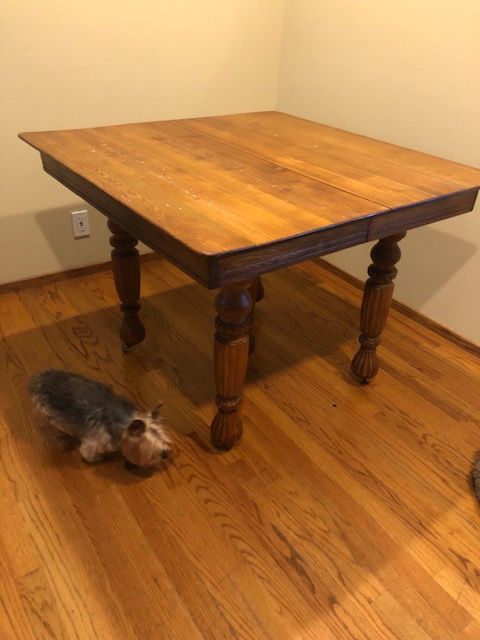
column 37, row 281
column 407, row 311
column 404, row 309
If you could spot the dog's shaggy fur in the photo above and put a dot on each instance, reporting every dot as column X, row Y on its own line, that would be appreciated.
column 476, row 475
column 88, row 413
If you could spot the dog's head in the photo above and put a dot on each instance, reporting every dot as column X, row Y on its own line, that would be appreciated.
column 145, row 442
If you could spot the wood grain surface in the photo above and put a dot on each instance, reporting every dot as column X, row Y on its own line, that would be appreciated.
column 384, row 173
column 252, row 192
column 211, row 196
column 345, row 514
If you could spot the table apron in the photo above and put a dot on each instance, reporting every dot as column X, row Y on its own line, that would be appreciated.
column 215, row 270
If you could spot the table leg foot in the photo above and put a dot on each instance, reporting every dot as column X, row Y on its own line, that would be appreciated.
column 233, row 304
column 226, row 429
column 126, row 272
column 377, row 298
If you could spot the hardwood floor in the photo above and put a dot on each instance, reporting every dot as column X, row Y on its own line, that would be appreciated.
column 345, row 513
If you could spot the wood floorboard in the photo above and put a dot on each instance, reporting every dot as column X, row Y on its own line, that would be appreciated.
column 344, row 514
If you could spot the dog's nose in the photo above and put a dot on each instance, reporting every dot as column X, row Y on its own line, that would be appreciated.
column 164, row 454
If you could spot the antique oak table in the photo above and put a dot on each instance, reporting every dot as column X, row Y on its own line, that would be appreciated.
column 229, row 198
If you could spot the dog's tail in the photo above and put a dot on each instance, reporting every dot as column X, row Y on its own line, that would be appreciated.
column 34, row 384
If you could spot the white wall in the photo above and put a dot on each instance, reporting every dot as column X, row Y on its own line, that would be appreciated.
column 67, row 65
column 405, row 72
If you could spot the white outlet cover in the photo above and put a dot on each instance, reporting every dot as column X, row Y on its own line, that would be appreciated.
column 80, row 223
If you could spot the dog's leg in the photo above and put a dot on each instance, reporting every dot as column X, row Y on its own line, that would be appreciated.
column 65, row 441
column 52, row 431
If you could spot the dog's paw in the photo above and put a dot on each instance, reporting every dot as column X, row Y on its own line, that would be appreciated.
column 67, row 443
column 91, row 453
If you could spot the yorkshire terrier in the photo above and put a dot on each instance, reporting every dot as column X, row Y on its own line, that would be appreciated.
column 87, row 413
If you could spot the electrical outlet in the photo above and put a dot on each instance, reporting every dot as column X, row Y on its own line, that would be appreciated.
column 80, row 223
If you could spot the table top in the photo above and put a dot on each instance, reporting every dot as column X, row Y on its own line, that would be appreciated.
column 230, row 196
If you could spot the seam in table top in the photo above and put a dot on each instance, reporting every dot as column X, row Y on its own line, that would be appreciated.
column 387, row 208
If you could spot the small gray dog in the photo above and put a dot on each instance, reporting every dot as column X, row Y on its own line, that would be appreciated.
column 88, row 413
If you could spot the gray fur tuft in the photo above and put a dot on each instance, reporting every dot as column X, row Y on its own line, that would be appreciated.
column 476, row 475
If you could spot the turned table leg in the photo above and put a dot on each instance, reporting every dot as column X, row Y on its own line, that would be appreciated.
column 257, row 293
column 376, row 304
column 233, row 304
column 126, row 271
column 259, row 290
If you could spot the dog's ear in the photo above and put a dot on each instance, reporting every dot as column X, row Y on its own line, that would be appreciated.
column 156, row 411
column 136, row 428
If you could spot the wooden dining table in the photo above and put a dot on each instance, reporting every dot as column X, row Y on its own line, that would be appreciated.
column 229, row 198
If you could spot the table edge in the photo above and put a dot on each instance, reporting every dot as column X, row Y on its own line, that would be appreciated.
column 214, row 270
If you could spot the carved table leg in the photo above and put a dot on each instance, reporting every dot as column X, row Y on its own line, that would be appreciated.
column 126, row 271
column 234, row 305
column 257, row 293
column 376, row 304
